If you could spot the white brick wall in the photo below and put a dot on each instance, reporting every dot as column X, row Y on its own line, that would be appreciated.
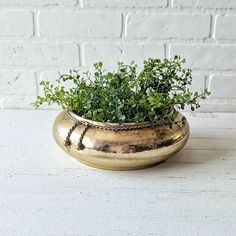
column 12, row 22
column 34, row 3
column 225, row 4
column 154, row 26
column 40, row 38
column 214, row 57
column 125, row 3
column 38, row 54
column 111, row 53
column 85, row 24
column 225, row 27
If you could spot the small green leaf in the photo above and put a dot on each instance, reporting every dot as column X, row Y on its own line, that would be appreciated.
column 125, row 95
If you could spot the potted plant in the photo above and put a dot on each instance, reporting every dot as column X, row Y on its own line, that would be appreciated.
column 125, row 119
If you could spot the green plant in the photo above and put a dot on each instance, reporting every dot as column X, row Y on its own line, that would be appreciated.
column 126, row 95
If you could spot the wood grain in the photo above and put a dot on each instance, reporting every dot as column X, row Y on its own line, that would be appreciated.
column 45, row 192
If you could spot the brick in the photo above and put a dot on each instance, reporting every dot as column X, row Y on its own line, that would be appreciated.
column 184, row 3
column 80, row 24
column 222, row 86
column 225, row 27
column 205, row 3
column 140, row 25
column 218, row 105
column 111, row 53
column 38, row 3
column 125, row 3
column 38, row 54
column 16, row 23
column 216, row 3
column 16, row 101
column 198, row 83
column 207, row 56
column 17, row 82
column 52, row 76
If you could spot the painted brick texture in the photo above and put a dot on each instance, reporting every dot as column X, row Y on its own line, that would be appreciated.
column 40, row 38
column 80, row 24
column 16, row 23
column 167, row 26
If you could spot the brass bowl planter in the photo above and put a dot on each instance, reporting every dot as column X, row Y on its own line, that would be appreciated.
column 118, row 146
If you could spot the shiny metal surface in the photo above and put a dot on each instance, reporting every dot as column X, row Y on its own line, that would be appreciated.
column 120, row 150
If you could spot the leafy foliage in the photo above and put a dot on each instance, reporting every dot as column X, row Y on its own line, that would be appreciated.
column 126, row 95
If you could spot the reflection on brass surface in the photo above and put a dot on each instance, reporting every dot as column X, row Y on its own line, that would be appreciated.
column 119, row 150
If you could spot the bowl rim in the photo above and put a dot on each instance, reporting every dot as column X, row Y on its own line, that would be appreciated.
column 72, row 115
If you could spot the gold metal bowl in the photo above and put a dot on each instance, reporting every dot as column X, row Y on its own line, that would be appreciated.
column 118, row 146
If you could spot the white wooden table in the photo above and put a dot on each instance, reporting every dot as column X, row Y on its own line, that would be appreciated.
column 45, row 192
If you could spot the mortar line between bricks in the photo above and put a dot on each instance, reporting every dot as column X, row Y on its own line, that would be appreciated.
column 79, row 54
column 125, row 40
column 82, row 54
column 146, row 10
column 38, row 68
column 206, row 81
column 80, row 4
column 167, row 50
column 140, row 10
column 33, row 19
column 77, row 3
column 212, row 20
column 36, row 74
column 36, row 25
column 123, row 25
column 171, row 3
column 213, row 27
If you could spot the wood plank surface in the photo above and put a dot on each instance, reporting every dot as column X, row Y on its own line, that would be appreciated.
column 45, row 192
